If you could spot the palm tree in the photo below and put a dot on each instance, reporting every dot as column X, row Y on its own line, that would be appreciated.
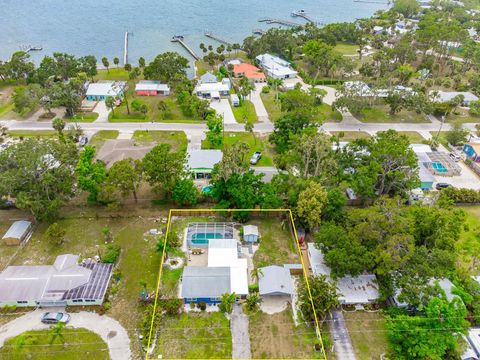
column 110, row 103
column 116, row 61
column 106, row 64
column 58, row 124
column 227, row 302
column 256, row 273
column 141, row 62
column 252, row 301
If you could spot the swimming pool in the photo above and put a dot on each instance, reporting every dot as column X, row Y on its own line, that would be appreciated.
column 438, row 167
column 199, row 234
column 203, row 238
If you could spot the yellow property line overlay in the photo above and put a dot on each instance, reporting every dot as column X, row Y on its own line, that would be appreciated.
column 171, row 211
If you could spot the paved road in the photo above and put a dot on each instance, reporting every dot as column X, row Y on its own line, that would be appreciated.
column 341, row 338
column 110, row 330
column 240, row 336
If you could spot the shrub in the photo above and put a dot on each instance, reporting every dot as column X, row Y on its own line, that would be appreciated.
column 467, row 196
column 171, row 306
column 55, row 234
column 111, row 254
column 253, row 288
column 202, row 305
column 265, row 90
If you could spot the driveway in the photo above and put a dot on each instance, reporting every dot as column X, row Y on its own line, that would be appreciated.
column 330, row 96
column 102, row 111
column 223, row 107
column 110, row 330
column 240, row 336
column 256, row 99
column 341, row 339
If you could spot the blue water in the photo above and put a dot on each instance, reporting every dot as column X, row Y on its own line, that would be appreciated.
column 438, row 166
column 203, row 238
column 97, row 27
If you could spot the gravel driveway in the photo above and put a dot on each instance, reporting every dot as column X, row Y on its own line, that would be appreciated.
column 240, row 336
column 110, row 330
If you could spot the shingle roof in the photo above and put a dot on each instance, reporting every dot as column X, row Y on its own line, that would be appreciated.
column 18, row 229
column 275, row 279
column 205, row 282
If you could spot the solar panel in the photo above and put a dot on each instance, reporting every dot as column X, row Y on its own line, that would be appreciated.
column 97, row 285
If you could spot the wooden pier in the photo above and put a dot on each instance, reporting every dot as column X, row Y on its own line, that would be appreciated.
column 258, row 31
column 280, row 22
column 125, row 49
column 303, row 14
column 179, row 39
column 217, row 38
column 28, row 48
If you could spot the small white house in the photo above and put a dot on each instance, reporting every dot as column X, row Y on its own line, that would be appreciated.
column 250, row 233
column 99, row 91
column 275, row 281
column 201, row 162
column 276, row 67
column 446, row 96
column 214, row 90
column 208, row 78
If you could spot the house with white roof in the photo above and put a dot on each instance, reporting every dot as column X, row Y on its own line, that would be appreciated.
column 151, row 88
column 64, row 283
column 352, row 290
column 99, row 91
column 213, row 90
column 201, row 162
column 446, row 96
column 276, row 67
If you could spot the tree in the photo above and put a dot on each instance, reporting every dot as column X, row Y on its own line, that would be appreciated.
column 431, row 335
column 407, row 8
column 26, row 99
column 185, row 192
column 106, row 64
column 20, row 67
column 246, row 87
column 68, row 94
column 457, row 135
column 323, row 294
column 249, row 127
column 215, row 130
column 128, row 67
column 91, row 173
column 166, row 66
column 163, row 168
column 125, row 176
column 88, row 65
column 58, row 124
column 57, row 332
column 134, row 74
column 55, row 234
column 116, row 61
column 110, row 103
column 252, row 301
column 286, row 127
column 38, row 174
column 141, row 62
column 311, row 201
column 227, row 301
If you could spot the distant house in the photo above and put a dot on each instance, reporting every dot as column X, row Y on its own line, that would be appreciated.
column 151, row 88
column 352, row 290
column 276, row 67
column 99, row 91
column 446, row 96
column 251, row 72
column 275, row 281
column 208, row 78
column 213, row 90
column 250, row 233
column 64, row 283
column 472, row 351
column 201, row 162
column 18, row 233
column 472, row 150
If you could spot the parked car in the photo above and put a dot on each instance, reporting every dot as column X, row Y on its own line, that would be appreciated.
column 83, row 141
column 441, row 186
column 255, row 158
column 55, row 317
column 455, row 157
column 351, row 194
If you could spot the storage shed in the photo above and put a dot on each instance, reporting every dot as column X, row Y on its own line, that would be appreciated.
column 250, row 233
column 18, row 232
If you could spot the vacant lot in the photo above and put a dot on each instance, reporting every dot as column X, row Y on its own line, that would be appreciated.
column 463, row 116
column 99, row 138
column 351, row 135
column 468, row 246
column 245, row 112
column 413, row 136
column 177, row 139
column 368, row 333
column 83, row 117
column 194, row 336
column 380, row 114
column 276, row 336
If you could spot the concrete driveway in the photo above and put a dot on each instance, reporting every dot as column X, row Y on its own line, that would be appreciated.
column 102, row 111
column 223, row 107
column 240, row 335
column 110, row 330
column 341, row 339
column 257, row 102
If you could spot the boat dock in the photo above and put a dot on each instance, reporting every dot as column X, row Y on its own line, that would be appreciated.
column 258, row 31
column 179, row 39
column 28, row 48
column 373, row 2
column 280, row 22
column 217, row 38
column 125, row 49
column 303, row 14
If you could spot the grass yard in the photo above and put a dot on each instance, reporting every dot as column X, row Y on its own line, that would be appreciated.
column 39, row 345
column 30, row 133
column 413, row 136
column 112, row 74
column 441, row 138
column 351, row 135
column 277, row 245
column 83, row 117
column 277, row 337
column 463, row 116
column 245, row 111
column 177, row 139
column 346, row 49
column 99, row 138
column 194, row 336
column 368, row 333
column 468, row 246
column 380, row 114
column 254, row 143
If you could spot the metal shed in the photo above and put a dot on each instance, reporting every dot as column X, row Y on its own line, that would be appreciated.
column 250, row 233
column 18, row 232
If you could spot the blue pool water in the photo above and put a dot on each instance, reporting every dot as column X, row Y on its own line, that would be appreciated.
column 203, row 238
column 439, row 167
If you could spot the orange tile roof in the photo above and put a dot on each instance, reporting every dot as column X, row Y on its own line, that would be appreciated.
column 250, row 71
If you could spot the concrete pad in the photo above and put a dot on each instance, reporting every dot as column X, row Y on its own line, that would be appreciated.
column 467, row 179
column 125, row 136
column 223, row 107
column 274, row 304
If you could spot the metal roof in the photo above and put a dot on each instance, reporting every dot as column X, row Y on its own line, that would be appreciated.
column 208, row 78
column 205, row 282
column 203, row 159
column 18, row 229
column 106, row 88
column 275, row 280
column 146, row 85
column 250, row 230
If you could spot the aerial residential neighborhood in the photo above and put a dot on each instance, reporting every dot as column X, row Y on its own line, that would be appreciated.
column 290, row 183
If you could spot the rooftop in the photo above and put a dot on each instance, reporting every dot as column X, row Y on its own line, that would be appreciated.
column 275, row 280
column 203, row 159
column 114, row 150
column 18, row 229
column 105, row 88
column 205, row 282
column 148, row 85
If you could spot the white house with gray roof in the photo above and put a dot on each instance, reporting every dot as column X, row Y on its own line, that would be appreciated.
column 275, row 281
column 64, row 283
column 446, row 96
column 201, row 162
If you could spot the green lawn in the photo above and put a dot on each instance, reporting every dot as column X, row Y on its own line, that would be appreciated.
column 468, row 246
column 39, row 345
column 83, row 117
column 99, row 138
column 380, row 114
column 245, row 111
column 30, row 133
column 463, row 116
column 346, row 49
column 6, row 108
column 441, row 138
column 254, row 143
column 177, row 139
column 194, row 336
column 276, row 337
column 368, row 333
column 351, row 135
column 413, row 136
column 113, row 74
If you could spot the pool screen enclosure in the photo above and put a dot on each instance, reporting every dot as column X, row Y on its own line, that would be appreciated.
column 199, row 234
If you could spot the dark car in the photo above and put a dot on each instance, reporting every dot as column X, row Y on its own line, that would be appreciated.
column 441, row 186
column 55, row 317
column 255, row 158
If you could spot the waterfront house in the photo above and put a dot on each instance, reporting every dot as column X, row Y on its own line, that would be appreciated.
column 64, row 283
column 151, row 88
column 276, row 67
column 99, row 91
column 208, row 78
column 213, row 90
column 251, row 72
